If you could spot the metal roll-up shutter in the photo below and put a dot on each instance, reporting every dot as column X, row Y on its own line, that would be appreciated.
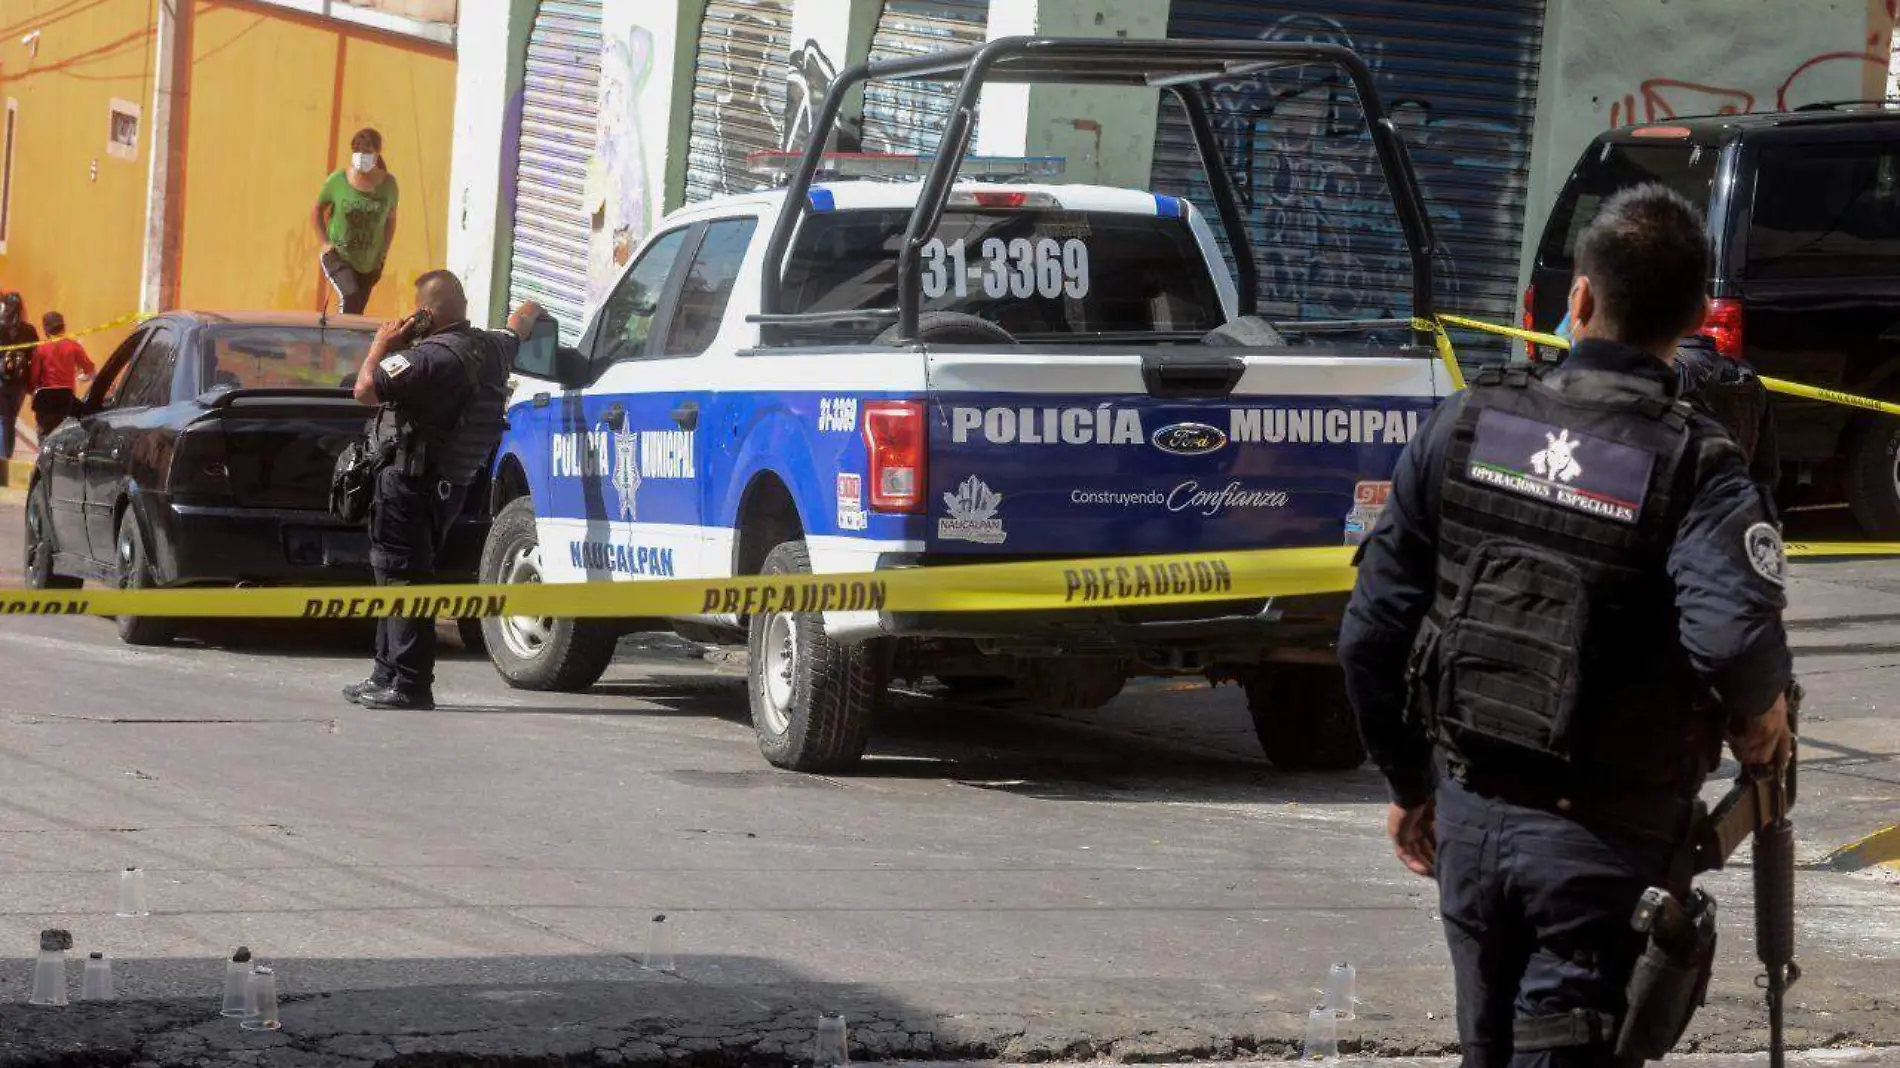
column 910, row 116
column 560, row 95
column 1459, row 77
column 745, row 50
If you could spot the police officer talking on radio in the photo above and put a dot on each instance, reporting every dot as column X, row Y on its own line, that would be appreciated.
column 1573, row 596
column 442, row 389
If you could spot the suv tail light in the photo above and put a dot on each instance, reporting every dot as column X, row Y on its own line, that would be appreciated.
column 1724, row 326
column 895, row 437
column 1531, row 352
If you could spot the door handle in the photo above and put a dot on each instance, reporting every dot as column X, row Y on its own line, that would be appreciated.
column 541, row 400
column 613, row 416
column 687, row 415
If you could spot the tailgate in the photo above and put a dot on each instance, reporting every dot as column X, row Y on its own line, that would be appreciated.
column 281, row 445
column 1180, row 452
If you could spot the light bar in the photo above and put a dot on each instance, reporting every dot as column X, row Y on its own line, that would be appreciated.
column 779, row 165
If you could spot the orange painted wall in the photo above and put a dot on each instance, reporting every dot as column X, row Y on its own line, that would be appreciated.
column 75, row 241
column 275, row 98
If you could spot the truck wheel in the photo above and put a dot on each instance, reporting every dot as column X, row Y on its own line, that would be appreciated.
column 1873, row 479
column 1302, row 719
column 812, row 698
column 560, row 655
column 1072, row 685
column 40, row 546
column 135, row 573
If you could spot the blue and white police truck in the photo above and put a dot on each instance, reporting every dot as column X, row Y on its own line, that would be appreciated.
column 848, row 375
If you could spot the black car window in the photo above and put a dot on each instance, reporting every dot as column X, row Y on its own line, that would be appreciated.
column 118, row 368
column 627, row 317
column 242, row 356
column 1605, row 170
column 1828, row 210
column 149, row 382
column 708, row 286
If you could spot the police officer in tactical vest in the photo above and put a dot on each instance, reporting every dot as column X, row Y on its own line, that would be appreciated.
column 442, row 387
column 1573, row 595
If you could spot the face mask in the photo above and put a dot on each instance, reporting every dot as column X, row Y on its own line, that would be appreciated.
column 364, row 161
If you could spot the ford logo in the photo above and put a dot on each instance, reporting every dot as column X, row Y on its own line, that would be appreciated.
column 1189, row 439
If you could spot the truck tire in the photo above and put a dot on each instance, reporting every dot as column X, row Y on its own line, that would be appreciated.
column 1873, row 478
column 1072, row 685
column 135, row 573
column 40, row 545
column 1302, row 719
column 952, row 328
column 812, row 698
column 557, row 655
column 1248, row 331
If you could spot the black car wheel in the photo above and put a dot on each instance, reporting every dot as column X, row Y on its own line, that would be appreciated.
column 1873, row 479
column 1302, row 719
column 135, row 573
column 40, row 545
column 534, row 653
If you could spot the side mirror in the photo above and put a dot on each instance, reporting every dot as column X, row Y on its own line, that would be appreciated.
column 536, row 356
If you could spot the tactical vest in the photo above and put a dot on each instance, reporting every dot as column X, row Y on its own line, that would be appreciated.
column 1553, row 654
column 457, row 447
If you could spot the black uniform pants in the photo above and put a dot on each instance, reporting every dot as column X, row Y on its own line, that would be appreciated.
column 50, row 408
column 11, row 400
column 408, row 522
column 1537, row 914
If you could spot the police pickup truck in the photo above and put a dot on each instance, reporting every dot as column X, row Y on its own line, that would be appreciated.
column 846, row 375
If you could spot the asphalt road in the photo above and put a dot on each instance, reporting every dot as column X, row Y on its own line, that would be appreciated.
column 997, row 882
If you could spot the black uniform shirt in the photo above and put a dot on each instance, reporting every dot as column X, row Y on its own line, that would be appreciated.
column 427, row 383
column 1729, row 603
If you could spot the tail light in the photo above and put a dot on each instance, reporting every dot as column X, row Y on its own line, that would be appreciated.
column 199, row 464
column 895, row 437
column 1724, row 326
column 1531, row 352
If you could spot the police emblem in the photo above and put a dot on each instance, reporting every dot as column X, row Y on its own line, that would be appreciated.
column 1762, row 543
column 1558, row 459
column 626, row 472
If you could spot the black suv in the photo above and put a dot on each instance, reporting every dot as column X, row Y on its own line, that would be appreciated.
column 1804, row 215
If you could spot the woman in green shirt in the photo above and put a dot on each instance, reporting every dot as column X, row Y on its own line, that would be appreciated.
column 356, row 219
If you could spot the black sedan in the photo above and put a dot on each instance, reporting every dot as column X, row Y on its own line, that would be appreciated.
column 202, row 456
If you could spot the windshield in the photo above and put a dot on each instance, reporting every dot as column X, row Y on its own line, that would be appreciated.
column 1687, row 168
column 1038, row 274
column 259, row 357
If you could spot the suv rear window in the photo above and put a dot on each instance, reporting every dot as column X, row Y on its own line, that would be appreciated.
column 1826, row 211
column 1687, row 168
column 1037, row 274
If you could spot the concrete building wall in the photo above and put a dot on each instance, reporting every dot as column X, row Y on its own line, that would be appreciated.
column 1608, row 63
column 74, row 233
column 275, row 98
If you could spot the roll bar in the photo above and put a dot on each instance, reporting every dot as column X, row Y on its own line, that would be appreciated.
column 1186, row 68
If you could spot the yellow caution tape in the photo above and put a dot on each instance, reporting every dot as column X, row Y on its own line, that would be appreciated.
column 1014, row 587
column 123, row 320
column 1041, row 585
column 1446, row 353
column 1551, row 340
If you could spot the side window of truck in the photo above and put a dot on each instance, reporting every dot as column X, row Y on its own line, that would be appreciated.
column 1826, row 211
column 628, row 317
column 707, row 287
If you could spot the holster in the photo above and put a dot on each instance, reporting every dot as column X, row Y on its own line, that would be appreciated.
column 1669, row 984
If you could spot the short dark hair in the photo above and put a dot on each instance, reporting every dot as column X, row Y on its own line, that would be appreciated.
column 53, row 322
column 1646, row 255
column 442, row 294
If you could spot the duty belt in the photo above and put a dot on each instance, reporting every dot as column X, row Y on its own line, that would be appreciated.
column 1651, row 811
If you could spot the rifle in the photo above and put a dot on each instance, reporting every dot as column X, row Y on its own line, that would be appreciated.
column 1757, row 807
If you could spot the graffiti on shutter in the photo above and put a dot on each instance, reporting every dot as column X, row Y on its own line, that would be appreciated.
column 910, row 116
column 560, row 93
column 739, row 94
column 1458, row 77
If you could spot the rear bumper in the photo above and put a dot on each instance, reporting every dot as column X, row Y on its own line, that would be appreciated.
column 221, row 545
column 1163, row 637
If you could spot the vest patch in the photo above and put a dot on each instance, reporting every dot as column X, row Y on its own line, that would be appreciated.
column 1559, row 466
column 1762, row 542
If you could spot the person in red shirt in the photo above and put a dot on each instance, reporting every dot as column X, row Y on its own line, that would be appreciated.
column 58, row 364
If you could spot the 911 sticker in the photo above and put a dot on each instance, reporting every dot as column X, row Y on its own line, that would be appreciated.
column 1019, row 268
column 1368, row 504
